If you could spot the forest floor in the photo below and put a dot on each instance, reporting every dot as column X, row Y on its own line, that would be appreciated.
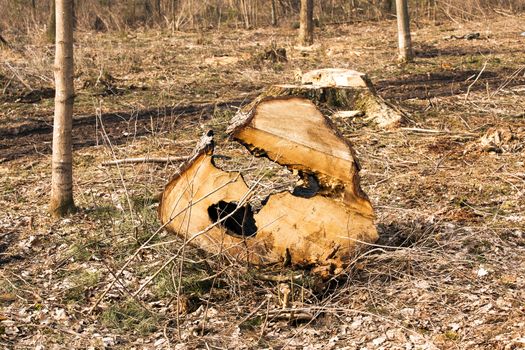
column 448, row 189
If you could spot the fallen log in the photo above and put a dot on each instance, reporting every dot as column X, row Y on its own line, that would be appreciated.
column 321, row 222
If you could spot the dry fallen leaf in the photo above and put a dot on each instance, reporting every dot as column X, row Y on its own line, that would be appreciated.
column 7, row 298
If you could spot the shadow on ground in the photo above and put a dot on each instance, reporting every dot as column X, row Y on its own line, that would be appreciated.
column 36, row 137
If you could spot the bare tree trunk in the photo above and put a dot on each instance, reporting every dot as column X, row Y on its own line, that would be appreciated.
column 51, row 22
column 245, row 10
column 33, row 9
column 147, row 12
column 387, row 8
column 274, row 14
column 61, row 202
column 306, row 28
column 403, row 30
column 75, row 19
column 158, row 8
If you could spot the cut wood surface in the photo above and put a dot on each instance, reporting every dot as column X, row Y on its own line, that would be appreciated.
column 320, row 228
column 294, row 133
column 337, row 77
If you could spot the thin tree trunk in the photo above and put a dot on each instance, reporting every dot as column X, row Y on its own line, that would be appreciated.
column 61, row 202
column 75, row 19
column 245, row 14
column 33, row 9
column 403, row 30
column 306, row 28
column 158, row 7
column 51, row 22
column 386, row 7
column 274, row 14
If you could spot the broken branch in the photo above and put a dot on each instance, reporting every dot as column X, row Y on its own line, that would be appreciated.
column 144, row 160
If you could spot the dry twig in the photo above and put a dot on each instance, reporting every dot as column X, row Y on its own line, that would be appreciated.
column 144, row 160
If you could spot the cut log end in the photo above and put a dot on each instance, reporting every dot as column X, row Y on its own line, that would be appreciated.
column 322, row 221
column 337, row 77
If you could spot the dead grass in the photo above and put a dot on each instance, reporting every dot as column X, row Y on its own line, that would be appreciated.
column 446, row 273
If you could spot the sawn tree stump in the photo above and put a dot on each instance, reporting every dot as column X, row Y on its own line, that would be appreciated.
column 336, row 90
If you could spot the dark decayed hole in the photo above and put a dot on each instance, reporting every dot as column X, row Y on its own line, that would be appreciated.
column 309, row 186
column 240, row 223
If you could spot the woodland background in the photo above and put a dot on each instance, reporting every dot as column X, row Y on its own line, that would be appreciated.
column 448, row 186
column 206, row 14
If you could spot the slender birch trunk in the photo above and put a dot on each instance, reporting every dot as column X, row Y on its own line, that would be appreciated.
column 61, row 202
column 51, row 23
column 403, row 31
column 274, row 14
column 306, row 28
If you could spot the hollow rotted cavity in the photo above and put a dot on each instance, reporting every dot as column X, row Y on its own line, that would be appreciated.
column 238, row 221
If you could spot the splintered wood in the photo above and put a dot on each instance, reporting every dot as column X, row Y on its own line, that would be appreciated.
column 321, row 222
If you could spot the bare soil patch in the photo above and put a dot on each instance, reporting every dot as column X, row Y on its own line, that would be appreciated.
column 447, row 273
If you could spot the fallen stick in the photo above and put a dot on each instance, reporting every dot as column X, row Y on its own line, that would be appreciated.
column 434, row 131
column 348, row 114
column 429, row 131
column 18, row 76
column 3, row 41
column 519, row 115
column 292, row 314
column 144, row 160
column 264, row 277
column 475, row 80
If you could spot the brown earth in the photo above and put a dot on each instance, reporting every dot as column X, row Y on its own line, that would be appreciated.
column 448, row 271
